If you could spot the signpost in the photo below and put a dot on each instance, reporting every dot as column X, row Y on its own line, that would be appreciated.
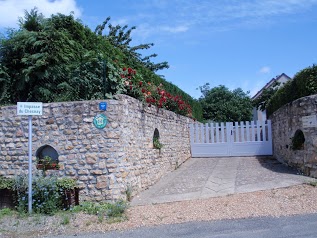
column 30, row 109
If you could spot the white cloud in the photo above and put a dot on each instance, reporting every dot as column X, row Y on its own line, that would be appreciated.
column 11, row 10
column 265, row 70
column 221, row 15
column 176, row 29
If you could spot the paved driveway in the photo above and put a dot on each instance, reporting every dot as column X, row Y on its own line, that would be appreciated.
column 212, row 177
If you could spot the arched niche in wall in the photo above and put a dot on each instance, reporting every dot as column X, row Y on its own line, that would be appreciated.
column 156, row 139
column 47, row 156
column 298, row 140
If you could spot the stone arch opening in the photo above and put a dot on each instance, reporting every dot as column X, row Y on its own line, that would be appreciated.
column 298, row 140
column 47, row 156
column 156, row 139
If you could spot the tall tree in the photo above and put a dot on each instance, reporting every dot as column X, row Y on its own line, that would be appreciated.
column 120, row 36
column 220, row 104
column 54, row 59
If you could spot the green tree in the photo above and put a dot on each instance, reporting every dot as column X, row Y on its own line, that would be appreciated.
column 54, row 59
column 262, row 101
column 59, row 59
column 120, row 36
column 303, row 84
column 220, row 104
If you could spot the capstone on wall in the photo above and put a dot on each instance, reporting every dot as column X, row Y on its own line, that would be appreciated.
column 106, row 162
column 297, row 115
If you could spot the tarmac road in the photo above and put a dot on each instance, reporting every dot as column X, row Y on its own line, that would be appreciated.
column 303, row 226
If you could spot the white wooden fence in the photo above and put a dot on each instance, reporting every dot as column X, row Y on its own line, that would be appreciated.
column 231, row 139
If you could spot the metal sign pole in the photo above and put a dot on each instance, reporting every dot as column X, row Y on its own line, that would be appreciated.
column 30, row 165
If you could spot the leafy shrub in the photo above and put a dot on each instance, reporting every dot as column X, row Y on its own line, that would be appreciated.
column 6, row 183
column 6, row 212
column 109, row 210
column 47, row 193
column 66, row 183
column 60, row 59
column 303, row 84
column 157, row 144
column 116, row 209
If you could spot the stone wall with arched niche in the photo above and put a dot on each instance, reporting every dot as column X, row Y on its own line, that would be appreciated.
column 294, row 132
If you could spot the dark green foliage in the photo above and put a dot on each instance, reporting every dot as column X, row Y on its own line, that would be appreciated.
column 59, row 59
column 6, row 183
column 120, row 37
column 303, row 84
column 46, row 196
column 66, row 183
column 47, row 193
column 262, row 101
column 109, row 210
column 220, row 104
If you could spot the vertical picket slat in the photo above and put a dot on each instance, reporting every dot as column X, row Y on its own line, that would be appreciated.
column 212, row 133
column 258, row 126
column 222, row 126
column 202, row 134
column 217, row 132
column 264, row 125
column 207, row 132
column 197, row 133
column 191, row 129
column 237, row 132
column 247, row 126
column 233, row 132
column 229, row 129
column 242, row 131
column 269, row 129
column 252, row 131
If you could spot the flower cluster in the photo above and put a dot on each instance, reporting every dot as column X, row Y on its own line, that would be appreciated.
column 154, row 95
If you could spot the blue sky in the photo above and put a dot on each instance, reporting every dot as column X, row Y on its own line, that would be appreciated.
column 236, row 43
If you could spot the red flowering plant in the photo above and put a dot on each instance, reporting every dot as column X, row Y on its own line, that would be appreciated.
column 152, row 94
column 158, row 96
column 132, row 82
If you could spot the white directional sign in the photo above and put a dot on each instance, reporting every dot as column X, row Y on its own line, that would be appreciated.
column 30, row 108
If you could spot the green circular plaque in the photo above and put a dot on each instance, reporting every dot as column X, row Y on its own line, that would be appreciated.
column 100, row 121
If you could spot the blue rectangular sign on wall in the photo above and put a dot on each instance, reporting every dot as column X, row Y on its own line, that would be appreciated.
column 103, row 106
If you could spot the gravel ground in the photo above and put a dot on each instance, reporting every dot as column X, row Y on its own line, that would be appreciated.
column 300, row 199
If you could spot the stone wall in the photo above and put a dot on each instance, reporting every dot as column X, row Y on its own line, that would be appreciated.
column 106, row 162
column 298, row 115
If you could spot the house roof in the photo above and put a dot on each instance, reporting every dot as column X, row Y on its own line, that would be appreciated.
column 269, row 84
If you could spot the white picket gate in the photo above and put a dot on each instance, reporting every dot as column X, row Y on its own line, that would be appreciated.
column 231, row 139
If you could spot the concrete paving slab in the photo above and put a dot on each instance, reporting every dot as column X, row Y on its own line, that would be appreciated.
column 201, row 178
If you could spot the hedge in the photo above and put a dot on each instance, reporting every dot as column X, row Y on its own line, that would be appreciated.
column 303, row 84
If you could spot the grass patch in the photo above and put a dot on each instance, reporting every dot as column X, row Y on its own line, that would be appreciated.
column 6, row 212
column 312, row 183
column 108, row 210
column 103, row 212
column 65, row 219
